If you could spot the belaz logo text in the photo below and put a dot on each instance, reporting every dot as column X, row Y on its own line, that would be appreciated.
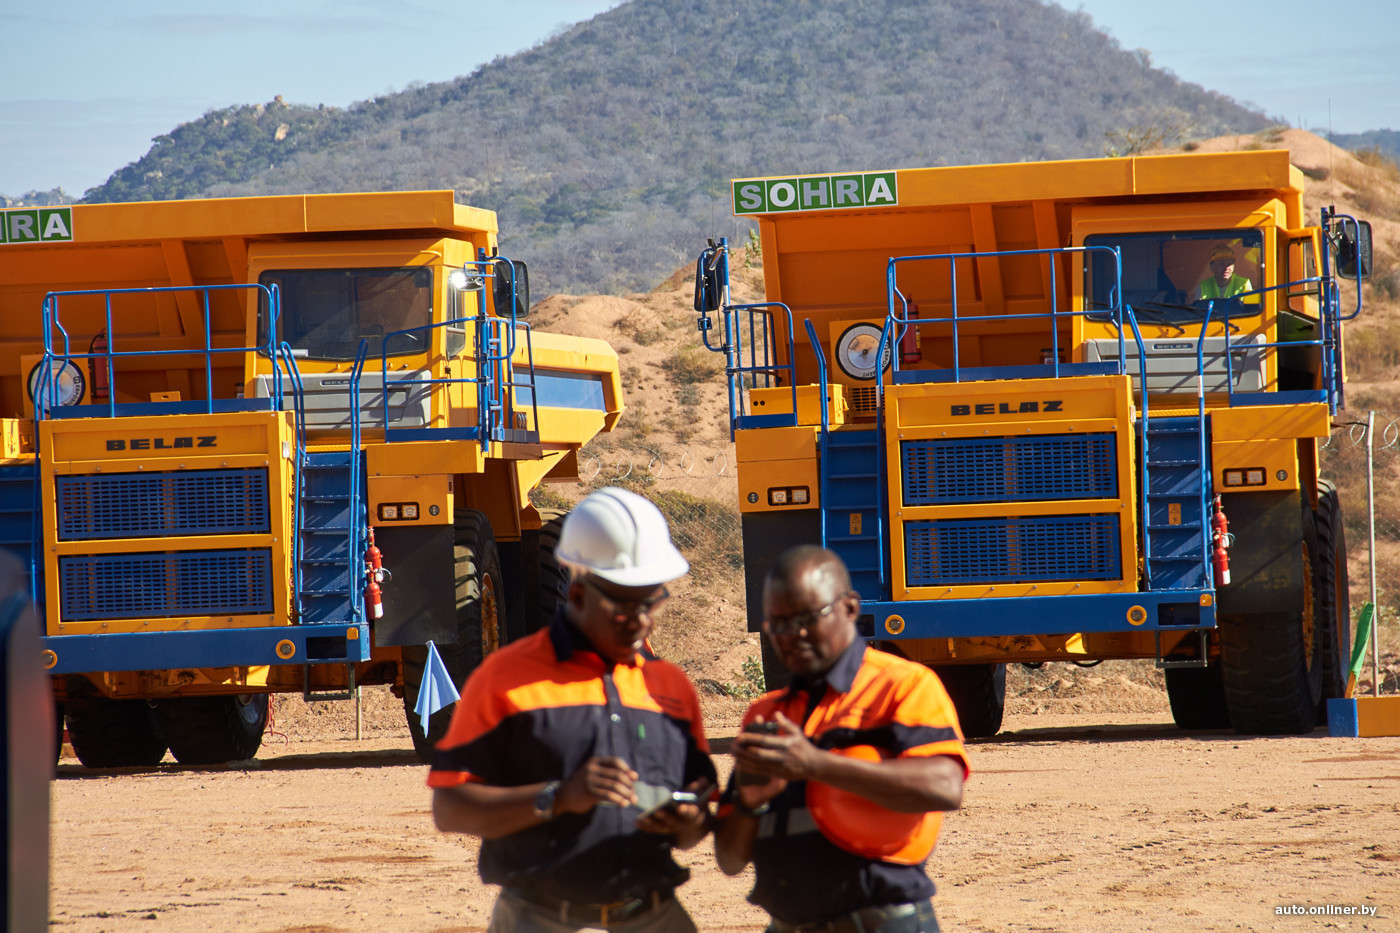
column 1009, row 408
column 161, row 443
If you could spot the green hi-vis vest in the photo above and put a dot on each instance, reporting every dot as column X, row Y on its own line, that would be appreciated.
column 1211, row 291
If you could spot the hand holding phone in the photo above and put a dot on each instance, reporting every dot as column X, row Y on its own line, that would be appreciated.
column 748, row 778
column 669, row 803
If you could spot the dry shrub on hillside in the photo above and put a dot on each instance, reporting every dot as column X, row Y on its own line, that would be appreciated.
column 1385, row 276
column 1373, row 350
column 1375, row 181
column 691, row 364
column 640, row 332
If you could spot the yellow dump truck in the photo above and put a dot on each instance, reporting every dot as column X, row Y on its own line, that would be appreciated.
column 1061, row 411
column 276, row 444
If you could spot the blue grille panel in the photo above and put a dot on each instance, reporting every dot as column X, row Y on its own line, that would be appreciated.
column 186, row 583
column 145, row 505
column 1006, row 469
column 1012, row 550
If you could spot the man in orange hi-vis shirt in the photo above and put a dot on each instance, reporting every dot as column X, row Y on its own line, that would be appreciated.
column 568, row 746
column 841, row 779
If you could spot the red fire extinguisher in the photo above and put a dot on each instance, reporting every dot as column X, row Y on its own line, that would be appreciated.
column 374, row 573
column 1220, row 538
column 911, row 348
column 97, row 369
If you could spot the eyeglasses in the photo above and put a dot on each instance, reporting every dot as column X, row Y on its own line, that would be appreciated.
column 625, row 609
column 808, row 619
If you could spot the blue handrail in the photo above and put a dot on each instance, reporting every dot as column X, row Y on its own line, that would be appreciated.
column 892, row 291
column 762, row 333
column 496, row 345
column 299, row 491
column 44, row 398
column 826, row 423
column 768, row 365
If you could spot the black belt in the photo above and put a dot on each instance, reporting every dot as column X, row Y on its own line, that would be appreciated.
column 865, row 920
column 581, row 914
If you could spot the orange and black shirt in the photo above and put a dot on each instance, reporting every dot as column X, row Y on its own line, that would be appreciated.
column 866, row 698
column 536, row 710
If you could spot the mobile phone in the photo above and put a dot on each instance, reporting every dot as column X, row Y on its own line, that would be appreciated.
column 677, row 798
column 744, row 778
column 763, row 728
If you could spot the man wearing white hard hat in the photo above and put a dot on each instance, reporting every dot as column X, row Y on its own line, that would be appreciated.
column 578, row 756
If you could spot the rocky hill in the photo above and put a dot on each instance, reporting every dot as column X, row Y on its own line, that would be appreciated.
column 608, row 149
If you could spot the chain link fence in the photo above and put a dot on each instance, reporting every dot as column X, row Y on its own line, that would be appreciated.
column 1343, row 458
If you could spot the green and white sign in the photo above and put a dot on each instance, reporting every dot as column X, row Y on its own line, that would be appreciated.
column 36, row 225
column 815, row 193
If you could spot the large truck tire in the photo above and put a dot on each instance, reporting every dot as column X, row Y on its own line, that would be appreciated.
column 1332, row 589
column 108, row 733
column 213, row 730
column 59, row 728
column 480, row 622
column 554, row 577
column 1197, row 697
column 775, row 675
column 1271, row 662
column 978, row 692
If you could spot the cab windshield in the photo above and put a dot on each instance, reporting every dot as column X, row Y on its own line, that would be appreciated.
column 326, row 312
column 1170, row 278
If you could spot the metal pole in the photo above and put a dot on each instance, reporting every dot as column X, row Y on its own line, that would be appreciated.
column 358, row 718
column 1371, row 559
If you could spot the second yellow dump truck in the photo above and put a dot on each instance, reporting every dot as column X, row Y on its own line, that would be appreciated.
column 276, row 444
column 1061, row 411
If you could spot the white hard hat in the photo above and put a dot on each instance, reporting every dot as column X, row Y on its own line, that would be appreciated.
column 621, row 537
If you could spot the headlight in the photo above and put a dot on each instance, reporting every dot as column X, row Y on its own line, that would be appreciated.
column 65, row 385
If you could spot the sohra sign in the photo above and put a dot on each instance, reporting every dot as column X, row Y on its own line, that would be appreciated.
column 36, row 225
column 815, row 193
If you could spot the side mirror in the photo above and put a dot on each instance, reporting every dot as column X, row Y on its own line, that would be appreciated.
column 707, row 282
column 1353, row 250
column 506, row 271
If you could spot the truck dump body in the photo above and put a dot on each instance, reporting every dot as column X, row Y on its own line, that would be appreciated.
column 1037, row 402
column 211, row 406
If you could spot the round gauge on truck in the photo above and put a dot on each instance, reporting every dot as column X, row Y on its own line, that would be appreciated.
column 857, row 348
column 65, row 384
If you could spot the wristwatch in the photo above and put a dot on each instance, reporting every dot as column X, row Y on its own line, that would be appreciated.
column 754, row 812
column 544, row 801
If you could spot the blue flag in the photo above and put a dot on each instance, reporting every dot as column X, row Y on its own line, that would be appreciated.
column 437, row 690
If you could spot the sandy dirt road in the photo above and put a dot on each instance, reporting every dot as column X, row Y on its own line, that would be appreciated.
column 1073, row 822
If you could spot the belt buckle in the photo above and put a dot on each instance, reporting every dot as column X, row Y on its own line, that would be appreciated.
column 617, row 907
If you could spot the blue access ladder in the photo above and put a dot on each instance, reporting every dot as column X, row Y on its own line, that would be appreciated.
column 329, row 587
column 851, row 491
column 329, row 519
column 1177, row 484
column 329, row 526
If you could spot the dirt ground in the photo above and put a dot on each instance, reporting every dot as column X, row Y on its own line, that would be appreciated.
column 1090, row 812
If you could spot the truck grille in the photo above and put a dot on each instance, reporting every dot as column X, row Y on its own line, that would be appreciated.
column 999, row 469
column 1012, row 550
column 187, row 583
column 143, row 505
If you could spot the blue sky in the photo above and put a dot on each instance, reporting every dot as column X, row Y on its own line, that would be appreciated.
column 89, row 83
